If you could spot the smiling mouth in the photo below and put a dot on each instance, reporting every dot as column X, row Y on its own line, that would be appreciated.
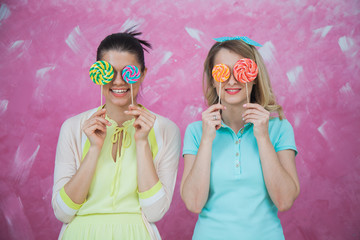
column 119, row 91
column 236, row 90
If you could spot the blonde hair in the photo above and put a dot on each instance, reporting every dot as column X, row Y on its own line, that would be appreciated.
column 261, row 93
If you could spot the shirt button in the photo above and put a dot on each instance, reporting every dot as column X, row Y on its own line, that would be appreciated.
column 237, row 154
column 237, row 165
column 236, row 142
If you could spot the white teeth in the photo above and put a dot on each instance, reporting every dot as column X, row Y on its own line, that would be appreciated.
column 233, row 90
column 119, row 91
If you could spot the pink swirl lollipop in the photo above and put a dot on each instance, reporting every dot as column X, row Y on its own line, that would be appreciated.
column 245, row 70
column 131, row 75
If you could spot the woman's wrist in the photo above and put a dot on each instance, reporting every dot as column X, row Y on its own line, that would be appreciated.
column 141, row 142
column 93, row 149
column 207, row 140
column 264, row 138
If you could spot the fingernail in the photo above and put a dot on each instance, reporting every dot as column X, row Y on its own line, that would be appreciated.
column 126, row 111
column 224, row 107
column 244, row 105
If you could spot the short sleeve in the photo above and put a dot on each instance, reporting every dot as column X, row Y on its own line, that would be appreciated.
column 286, row 138
column 192, row 138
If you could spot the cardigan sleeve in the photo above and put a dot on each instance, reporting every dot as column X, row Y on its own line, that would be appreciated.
column 156, row 201
column 65, row 168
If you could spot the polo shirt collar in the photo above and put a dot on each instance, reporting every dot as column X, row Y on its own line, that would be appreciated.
column 241, row 131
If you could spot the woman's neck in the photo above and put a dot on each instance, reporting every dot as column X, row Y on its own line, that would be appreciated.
column 232, row 116
column 117, row 114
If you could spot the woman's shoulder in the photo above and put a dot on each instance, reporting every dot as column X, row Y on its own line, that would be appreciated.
column 195, row 128
column 195, row 125
column 278, row 121
column 280, row 124
column 192, row 137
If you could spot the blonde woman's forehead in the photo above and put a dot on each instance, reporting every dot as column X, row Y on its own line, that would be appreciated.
column 227, row 57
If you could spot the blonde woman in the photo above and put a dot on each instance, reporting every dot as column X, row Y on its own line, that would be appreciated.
column 239, row 162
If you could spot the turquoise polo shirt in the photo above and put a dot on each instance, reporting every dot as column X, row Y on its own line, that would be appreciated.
column 238, row 206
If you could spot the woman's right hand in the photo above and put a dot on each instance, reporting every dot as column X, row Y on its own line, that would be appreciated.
column 95, row 128
column 211, row 121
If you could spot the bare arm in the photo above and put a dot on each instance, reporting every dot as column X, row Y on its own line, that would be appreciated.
column 78, row 187
column 280, row 174
column 147, row 176
column 95, row 128
column 156, row 182
column 279, row 169
column 144, row 122
column 196, row 178
column 195, row 182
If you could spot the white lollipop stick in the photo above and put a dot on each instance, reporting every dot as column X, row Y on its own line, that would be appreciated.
column 101, row 89
column 132, row 97
column 247, row 93
column 219, row 92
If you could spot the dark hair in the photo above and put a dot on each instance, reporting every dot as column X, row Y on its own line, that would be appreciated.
column 124, row 42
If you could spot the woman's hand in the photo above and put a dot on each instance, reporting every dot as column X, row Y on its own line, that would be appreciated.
column 95, row 128
column 257, row 115
column 144, row 121
column 211, row 121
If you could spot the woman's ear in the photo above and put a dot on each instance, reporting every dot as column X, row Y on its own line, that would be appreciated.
column 143, row 74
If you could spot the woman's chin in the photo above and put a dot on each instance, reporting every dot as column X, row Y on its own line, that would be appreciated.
column 234, row 101
column 119, row 102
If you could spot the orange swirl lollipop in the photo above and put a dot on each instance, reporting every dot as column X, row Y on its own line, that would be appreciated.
column 220, row 73
column 245, row 70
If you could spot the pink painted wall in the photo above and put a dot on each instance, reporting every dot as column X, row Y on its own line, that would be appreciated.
column 311, row 49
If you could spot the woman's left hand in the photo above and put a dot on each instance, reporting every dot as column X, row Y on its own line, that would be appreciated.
column 257, row 115
column 144, row 121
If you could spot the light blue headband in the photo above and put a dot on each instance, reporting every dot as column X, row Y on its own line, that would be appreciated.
column 244, row 39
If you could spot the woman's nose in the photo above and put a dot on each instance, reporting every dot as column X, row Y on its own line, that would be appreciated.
column 118, row 78
column 232, row 80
